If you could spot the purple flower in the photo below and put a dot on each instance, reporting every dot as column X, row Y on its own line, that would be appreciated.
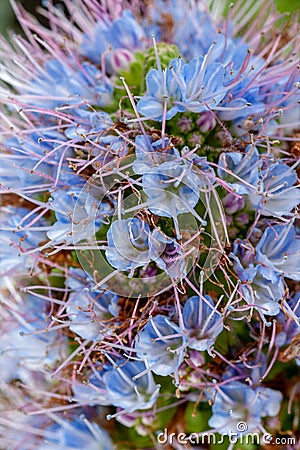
column 244, row 251
column 233, row 203
column 184, row 124
column 206, row 121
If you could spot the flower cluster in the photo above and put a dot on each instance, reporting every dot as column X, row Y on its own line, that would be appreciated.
column 149, row 223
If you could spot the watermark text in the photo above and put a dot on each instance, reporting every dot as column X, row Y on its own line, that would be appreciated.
column 205, row 438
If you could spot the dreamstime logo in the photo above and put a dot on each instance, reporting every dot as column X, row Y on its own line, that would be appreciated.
column 114, row 187
column 240, row 436
column 241, row 427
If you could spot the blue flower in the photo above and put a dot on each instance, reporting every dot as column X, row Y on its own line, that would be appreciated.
column 203, row 84
column 129, row 387
column 123, row 36
column 173, row 260
column 261, row 287
column 38, row 160
column 131, row 244
column 162, row 86
column 196, row 86
column 194, row 39
column 279, row 250
column 202, row 322
column 93, row 392
column 63, row 84
column 244, row 98
column 107, row 146
column 237, row 402
column 251, row 370
column 88, row 313
column 81, row 283
column 114, row 146
column 24, row 345
column 126, row 32
column 285, row 94
column 289, row 321
column 75, row 434
column 23, row 154
column 16, row 173
column 200, row 35
column 278, row 194
column 150, row 154
column 171, row 182
column 78, row 216
column 162, row 344
column 88, row 125
column 38, row 353
column 241, row 172
column 172, row 187
column 16, row 242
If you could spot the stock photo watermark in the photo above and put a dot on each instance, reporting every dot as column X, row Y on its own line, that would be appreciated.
column 233, row 437
column 131, row 246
